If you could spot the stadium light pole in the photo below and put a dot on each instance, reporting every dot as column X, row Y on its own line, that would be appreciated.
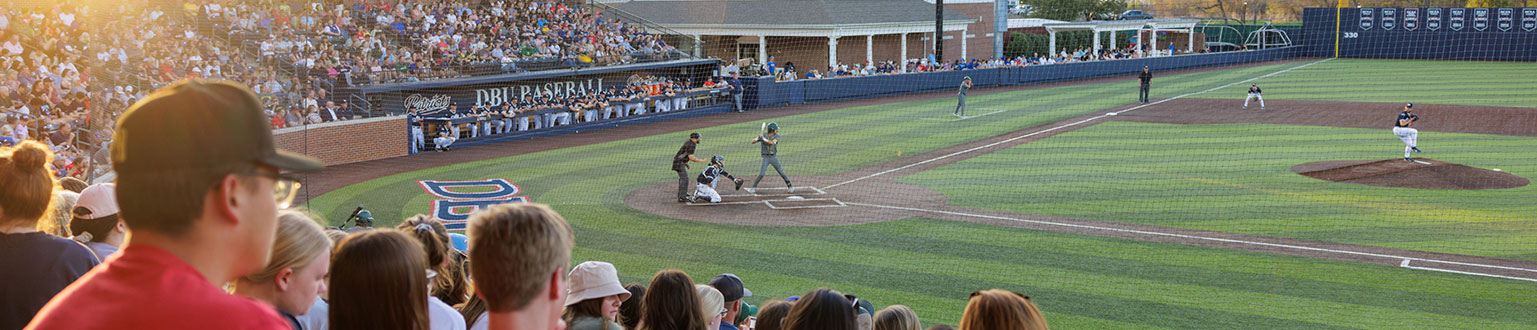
column 939, row 31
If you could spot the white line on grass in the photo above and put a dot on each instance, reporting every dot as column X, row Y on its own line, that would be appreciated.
column 965, row 118
column 1066, row 126
column 1404, row 264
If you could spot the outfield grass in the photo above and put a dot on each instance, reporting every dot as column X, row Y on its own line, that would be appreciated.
column 1505, row 84
column 1237, row 178
column 1081, row 282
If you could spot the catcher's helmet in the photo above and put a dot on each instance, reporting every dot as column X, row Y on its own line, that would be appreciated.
column 718, row 160
column 773, row 127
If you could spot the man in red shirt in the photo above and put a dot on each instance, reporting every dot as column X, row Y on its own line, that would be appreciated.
column 199, row 182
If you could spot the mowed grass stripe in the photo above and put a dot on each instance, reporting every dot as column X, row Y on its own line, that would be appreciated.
column 1428, row 82
column 1184, row 178
column 841, row 255
column 860, row 268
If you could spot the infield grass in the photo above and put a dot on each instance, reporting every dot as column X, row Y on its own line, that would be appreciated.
column 1081, row 282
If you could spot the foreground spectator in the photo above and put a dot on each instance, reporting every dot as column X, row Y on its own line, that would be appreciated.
column 443, row 316
column 450, row 286
column 519, row 254
column 379, row 282
column 731, row 288
column 595, row 297
column 38, row 265
column 296, row 275
column 629, row 312
column 475, row 314
column 197, row 177
column 772, row 315
column 96, row 223
column 897, row 317
column 822, row 309
column 711, row 304
column 671, row 303
column 1001, row 309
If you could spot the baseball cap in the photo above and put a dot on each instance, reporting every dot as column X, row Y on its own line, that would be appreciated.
column 592, row 280
column 1411, row 105
column 694, row 135
column 730, row 286
column 97, row 201
column 198, row 123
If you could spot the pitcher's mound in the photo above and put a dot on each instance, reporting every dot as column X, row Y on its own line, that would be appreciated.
column 1400, row 173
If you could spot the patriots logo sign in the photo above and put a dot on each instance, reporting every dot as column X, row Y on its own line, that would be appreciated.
column 458, row 199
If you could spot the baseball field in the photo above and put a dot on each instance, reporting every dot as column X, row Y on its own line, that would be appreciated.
column 1188, row 212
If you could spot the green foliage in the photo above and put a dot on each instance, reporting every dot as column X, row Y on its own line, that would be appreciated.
column 1075, row 10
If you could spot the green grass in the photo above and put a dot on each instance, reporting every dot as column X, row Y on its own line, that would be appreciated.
column 1505, row 84
column 1081, row 282
column 1237, row 178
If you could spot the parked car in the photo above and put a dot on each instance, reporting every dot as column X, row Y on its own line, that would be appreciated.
column 1134, row 14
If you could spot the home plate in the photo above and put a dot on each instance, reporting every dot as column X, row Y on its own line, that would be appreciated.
column 795, row 198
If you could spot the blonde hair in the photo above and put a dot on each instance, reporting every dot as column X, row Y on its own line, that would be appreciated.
column 1001, row 309
column 897, row 317
column 26, row 185
column 299, row 241
column 711, row 301
column 515, row 248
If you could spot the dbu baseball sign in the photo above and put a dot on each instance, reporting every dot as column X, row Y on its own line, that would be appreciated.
column 458, row 199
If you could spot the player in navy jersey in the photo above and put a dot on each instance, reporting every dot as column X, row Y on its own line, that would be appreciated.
column 1409, row 135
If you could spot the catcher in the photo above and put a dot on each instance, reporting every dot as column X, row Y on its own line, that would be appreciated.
column 705, row 190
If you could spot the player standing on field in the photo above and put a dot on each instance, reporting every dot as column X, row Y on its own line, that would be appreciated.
column 1254, row 94
column 960, row 108
column 1409, row 135
column 1147, row 81
column 769, row 149
column 680, row 164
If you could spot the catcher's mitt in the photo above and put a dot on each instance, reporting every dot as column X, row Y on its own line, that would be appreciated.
column 738, row 184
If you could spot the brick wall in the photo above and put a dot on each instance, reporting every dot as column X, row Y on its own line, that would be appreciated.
column 347, row 142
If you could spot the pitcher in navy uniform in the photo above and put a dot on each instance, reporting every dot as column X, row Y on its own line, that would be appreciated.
column 1409, row 135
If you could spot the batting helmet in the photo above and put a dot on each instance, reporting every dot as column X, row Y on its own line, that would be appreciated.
column 718, row 160
column 773, row 127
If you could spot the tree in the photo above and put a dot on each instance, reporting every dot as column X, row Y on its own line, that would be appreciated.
column 1493, row 3
column 1075, row 10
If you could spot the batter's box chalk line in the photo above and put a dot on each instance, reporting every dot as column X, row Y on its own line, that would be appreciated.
column 991, row 111
column 798, row 192
column 834, row 203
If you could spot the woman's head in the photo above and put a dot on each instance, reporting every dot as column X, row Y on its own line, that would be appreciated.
column 712, row 304
column 897, row 317
column 629, row 312
column 377, row 282
column 671, row 303
column 296, row 273
column 772, row 315
column 822, row 308
column 594, row 292
column 1001, row 309
column 26, row 185
column 449, row 286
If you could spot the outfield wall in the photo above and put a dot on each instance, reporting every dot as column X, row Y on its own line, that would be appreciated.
column 1485, row 34
column 764, row 92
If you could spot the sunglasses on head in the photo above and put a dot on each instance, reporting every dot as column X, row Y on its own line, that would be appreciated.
column 854, row 301
column 974, row 294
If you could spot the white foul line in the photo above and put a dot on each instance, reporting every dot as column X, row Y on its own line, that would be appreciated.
column 965, row 118
column 1404, row 264
column 1065, row 126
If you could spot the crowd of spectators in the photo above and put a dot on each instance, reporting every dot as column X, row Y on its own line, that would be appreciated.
column 212, row 246
column 788, row 72
column 68, row 69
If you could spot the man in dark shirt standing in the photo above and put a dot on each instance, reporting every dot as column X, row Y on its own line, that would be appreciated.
column 1147, row 78
column 680, row 164
column 736, row 90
